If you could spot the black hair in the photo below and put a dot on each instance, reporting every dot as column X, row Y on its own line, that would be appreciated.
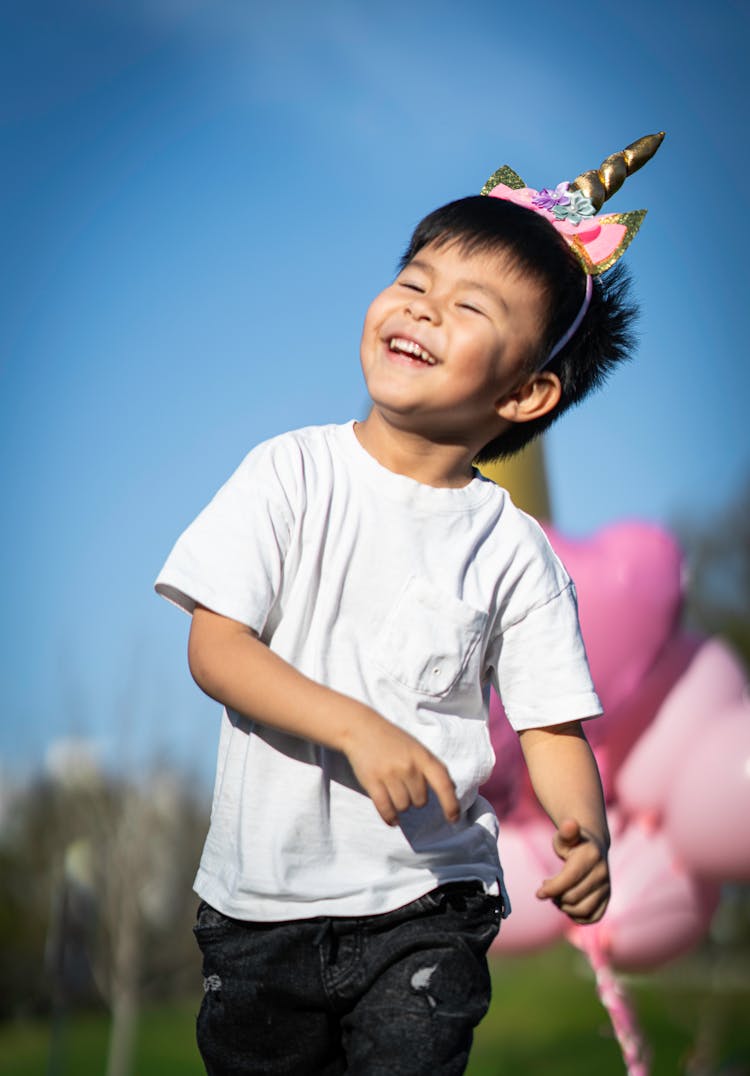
column 605, row 336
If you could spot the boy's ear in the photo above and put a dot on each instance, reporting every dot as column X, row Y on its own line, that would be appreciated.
column 534, row 398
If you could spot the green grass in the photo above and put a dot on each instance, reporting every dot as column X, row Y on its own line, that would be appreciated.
column 545, row 1018
column 165, row 1046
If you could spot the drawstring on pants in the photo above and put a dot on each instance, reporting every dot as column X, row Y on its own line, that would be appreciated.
column 326, row 933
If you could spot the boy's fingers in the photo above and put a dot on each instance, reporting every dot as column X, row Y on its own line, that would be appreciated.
column 590, row 909
column 400, row 795
column 575, row 871
column 571, row 889
column 552, row 888
column 384, row 804
column 407, row 787
column 416, row 788
column 441, row 784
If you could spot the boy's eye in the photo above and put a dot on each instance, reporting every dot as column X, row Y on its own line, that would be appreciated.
column 411, row 285
column 471, row 307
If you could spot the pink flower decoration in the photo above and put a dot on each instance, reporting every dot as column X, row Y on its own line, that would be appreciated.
column 548, row 199
column 526, row 197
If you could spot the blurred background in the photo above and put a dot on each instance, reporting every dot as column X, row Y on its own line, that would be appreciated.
column 200, row 198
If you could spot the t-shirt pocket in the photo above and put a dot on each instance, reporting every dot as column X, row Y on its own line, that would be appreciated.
column 429, row 641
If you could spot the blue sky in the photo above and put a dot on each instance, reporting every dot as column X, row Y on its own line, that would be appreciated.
column 200, row 199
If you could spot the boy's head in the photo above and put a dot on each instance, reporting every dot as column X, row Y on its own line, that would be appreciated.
column 533, row 259
column 445, row 347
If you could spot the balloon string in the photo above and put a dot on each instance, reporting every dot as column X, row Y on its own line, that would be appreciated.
column 615, row 1000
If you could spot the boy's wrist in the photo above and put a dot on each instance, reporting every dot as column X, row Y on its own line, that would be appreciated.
column 602, row 841
column 352, row 719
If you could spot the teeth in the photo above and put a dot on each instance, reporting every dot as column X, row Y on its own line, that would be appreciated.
column 409, row 347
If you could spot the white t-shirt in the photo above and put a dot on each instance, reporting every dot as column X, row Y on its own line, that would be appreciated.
column 411, row 598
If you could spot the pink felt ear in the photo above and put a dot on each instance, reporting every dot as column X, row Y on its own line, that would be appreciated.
column 605, row 243
column 616, row 231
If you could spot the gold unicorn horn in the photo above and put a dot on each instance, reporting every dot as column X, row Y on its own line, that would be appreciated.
column 600, row 183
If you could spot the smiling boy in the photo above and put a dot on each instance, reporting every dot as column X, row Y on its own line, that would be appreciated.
column 445, row 352
column 355, row 591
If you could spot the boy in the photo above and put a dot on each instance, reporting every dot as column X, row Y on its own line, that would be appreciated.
column 354, row 592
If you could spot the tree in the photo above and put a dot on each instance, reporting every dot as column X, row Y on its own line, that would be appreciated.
column 718, row 584
column 95, row 894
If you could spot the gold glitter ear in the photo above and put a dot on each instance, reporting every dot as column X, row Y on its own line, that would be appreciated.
column 504, row 175
column 631, row 222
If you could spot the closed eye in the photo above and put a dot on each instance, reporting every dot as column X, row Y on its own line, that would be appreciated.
column 410, row 285
column 472, row 308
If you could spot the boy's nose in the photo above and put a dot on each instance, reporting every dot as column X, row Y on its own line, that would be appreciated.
column 423, row 308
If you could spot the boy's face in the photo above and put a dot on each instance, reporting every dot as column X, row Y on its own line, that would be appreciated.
column 448, row 340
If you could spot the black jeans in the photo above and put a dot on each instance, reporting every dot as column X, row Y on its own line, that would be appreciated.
column 385, row 995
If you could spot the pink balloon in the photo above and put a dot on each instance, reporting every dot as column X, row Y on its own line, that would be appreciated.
column 626, row 722
column 707, row 816
column 658, row 910
column 712, row 680
column 628, row 579
column 527, row 860
column 509, row 790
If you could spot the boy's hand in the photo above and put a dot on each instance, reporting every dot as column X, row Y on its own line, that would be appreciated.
column 395, row 770
column 231, row 664
column 581, row 889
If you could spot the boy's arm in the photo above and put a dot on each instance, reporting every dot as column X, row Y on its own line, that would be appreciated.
column 566, row 781
column 230, row 663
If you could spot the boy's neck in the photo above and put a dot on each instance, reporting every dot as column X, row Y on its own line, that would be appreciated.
column 411, row 454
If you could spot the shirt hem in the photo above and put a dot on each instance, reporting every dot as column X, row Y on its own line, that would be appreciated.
column 276, row 910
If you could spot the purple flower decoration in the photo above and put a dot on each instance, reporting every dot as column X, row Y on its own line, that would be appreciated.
column 578, row 207
column 548, row 199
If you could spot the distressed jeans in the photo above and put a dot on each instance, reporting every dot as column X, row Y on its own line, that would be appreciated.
column 397, row 994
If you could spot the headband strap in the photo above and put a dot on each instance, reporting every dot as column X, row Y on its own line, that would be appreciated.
column 576, row 323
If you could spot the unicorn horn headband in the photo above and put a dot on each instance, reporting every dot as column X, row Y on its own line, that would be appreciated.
column 571, row 208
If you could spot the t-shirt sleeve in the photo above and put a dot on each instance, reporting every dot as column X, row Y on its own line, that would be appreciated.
column 541, row 672
column 231, row 557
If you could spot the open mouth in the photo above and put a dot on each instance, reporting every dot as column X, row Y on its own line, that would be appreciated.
column 411, row 348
